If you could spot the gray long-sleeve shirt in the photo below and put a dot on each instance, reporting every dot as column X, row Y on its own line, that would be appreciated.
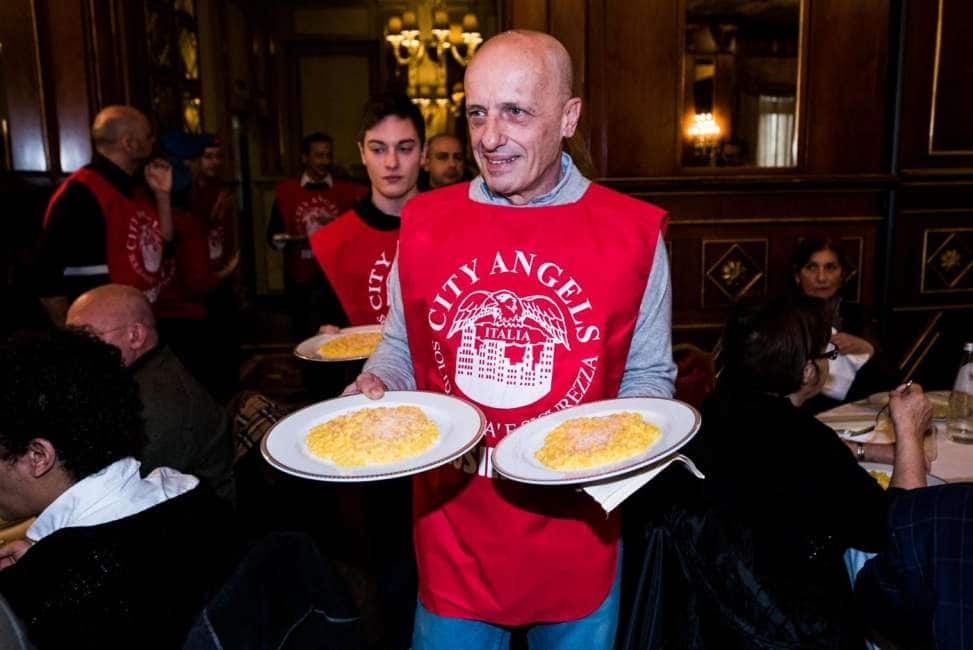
column 649, row 369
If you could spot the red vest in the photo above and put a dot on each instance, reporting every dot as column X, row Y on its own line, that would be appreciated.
column 214, row 206
column 303, row 211
column 186, row 277
column 356, row 259
column 523, row 311
column 133, row 241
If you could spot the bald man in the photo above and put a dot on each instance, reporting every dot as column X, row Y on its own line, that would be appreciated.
column 444, row 161
column 103, row 224
column 185, row 429
column 551, row 291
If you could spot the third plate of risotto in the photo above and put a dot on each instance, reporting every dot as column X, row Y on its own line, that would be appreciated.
column 349, row 344
column 354, row 438
column 596, row 441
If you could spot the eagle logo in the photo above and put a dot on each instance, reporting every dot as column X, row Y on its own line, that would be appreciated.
column 506, row 353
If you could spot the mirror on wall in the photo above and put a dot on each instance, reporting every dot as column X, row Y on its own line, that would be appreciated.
column 741, row 77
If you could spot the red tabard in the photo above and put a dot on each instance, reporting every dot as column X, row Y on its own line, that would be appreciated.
column 214, row 206
column 133, row 241
column 303, row 211
column 186, row 277
column 356, row 259
column 523, row 311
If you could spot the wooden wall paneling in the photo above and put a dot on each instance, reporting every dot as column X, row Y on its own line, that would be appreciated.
column 108, row 35
column 642, row 72
column 847, row 76
column 25, row 98
column 526, row 14
column 950, row 128
column 936, row 73
column 595, row 86
column 64, row 55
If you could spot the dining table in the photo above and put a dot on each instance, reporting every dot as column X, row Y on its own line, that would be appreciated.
column 954, row 460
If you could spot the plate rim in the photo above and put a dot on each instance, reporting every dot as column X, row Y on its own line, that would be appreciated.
column 618, row 471
column 381, row 476
column 321, row 338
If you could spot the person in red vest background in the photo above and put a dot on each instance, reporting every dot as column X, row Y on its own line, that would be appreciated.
column 355, row 251
column 300, row 208
column 524, row 291
column 103, row 224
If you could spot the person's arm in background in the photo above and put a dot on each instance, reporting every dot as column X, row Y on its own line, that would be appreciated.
column 649, row 369
column 74, row 223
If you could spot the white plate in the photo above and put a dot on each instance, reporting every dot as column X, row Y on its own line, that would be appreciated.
column 882, row 467
column 460, row 429
column 308, row 348
column 514, row 456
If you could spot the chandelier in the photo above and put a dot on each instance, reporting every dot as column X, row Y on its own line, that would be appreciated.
column 425, row 54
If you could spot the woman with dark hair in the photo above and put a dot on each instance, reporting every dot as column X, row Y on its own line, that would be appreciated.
column 820, row 269
column 790, row 493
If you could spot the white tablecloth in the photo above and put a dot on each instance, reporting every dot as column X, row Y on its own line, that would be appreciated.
column 954, row 462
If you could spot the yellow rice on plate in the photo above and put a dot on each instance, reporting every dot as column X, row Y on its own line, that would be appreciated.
column 583, row 443
column 372, row 436
column 349, row 346
column 882, row 478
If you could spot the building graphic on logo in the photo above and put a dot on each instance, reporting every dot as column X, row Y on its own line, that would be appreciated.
column 506, row 353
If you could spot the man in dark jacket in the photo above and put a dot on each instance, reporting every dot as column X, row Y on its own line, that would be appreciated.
column 185, row 429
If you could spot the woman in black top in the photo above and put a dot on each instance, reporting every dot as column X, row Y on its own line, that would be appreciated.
column 784, row 477
column 820, row 269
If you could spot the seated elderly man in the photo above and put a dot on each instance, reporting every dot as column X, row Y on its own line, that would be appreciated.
column 113, row 560
column 185, row 429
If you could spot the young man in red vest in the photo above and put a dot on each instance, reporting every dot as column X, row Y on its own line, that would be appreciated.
column 355, row 251
column 301, row 207
column 102, row 224
column 526, row 291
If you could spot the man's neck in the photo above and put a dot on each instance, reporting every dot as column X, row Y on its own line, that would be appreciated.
column 392, row 206
column 122, row 161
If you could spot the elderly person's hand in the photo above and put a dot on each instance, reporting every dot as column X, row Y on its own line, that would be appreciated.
column 368, row 384
column 12, row 551
column 850, row 344
column 911, row 416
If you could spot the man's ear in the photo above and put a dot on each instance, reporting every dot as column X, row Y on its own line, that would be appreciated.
column 137, row 336
column 41, row 457
column 570, row 117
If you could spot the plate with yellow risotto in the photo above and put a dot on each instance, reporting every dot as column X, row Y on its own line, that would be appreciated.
column 882, row 474
column 354, row 438
column 596, row 441
column 349, row 344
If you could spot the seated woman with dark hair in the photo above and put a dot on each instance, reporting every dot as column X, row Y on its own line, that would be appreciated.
column 786, row 490
column 820, row 268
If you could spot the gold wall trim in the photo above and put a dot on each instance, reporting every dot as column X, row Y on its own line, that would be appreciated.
column 698, row 222
column 927, row 260
column 918, row 308
column 918, row 342
column 698, row 326
column 935, row 88
column 932, row 341
column 936, row 211
column 761, row 273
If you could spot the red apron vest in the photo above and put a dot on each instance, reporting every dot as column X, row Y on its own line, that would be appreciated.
column 133, row 241
column 186, row 277
column 522, row 311
column 213, row 205
column 303, row 211
column 356, row 259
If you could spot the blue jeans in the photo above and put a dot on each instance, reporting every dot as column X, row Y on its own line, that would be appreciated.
column 596, row 631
